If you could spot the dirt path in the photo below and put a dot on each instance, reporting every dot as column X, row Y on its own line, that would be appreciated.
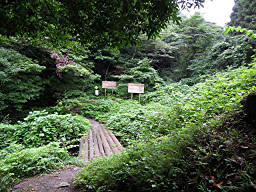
column 57, row 181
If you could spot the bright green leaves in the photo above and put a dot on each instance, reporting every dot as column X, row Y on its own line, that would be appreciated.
column 241, row 30
column 202, row 151
column 20, row 81
column 101, row 23
column 248, row 32
column 243, row 14
column 186, row 48
column 40, row 128
column 142, row 73
column 17, row 162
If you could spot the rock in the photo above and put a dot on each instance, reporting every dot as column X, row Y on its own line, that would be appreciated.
column 63, row 184
column 77, row 168
column 249, row 107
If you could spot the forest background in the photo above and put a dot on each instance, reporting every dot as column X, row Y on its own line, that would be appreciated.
column 195, row 78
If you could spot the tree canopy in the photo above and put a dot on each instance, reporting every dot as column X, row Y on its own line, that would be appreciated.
column 244, row 14
column 101, row 23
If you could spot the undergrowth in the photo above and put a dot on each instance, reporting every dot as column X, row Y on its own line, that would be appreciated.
column 85, row 106
column 206, row 159
column 17, row 162
column 40, row 128
column 178, row 106
column 205, row 145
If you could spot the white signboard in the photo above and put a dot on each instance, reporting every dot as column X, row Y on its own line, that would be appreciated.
column 135, row 88
column 109, row 84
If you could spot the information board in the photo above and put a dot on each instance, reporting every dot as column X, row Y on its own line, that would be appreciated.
column 109, row 84
column 135, row 88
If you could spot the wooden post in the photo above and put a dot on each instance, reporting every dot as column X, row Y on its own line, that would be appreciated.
column 135, row 88
column 112, row 91
column 105, row 92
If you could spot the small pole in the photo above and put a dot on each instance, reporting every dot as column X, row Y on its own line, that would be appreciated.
column 139, row 97
column 112, row 91
column 105, row 92
column 131, row 96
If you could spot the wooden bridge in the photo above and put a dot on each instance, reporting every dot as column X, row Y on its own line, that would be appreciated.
column 99, row 142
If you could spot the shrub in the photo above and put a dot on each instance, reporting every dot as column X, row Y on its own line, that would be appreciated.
column 179, row 105
column 40, row 128
column 74, row 72
column 126, row 121
column 86, row 106
column 132, row 121
column 142, row 73
column 19, row 163
column 193, row 159
column 20, row 81
column 6, row 134
column 11, row 148
column 200, row 152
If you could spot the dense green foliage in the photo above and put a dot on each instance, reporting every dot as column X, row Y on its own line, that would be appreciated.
column 141, row 73
column 20, row 82
column 181, row 159
column 196, row 49
column 17, row 162
column 83, row 105
column 192, row 39
column 171, row 54
column 33, row 79
column 244, row 13
column 177, row 106
column 231, row 52
column 188, row 133
column 189, row 52
column 89, row 21
column 188, row 160
column 6, row 134
column 77, row 76
column 133, row 122
column 40, row 128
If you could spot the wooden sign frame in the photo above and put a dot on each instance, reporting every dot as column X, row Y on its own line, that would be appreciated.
column 135, row 88
column 109, row 85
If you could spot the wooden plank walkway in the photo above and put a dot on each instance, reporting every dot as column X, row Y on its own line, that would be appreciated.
column 99, row 142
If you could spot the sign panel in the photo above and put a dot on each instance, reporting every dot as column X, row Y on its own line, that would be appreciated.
column 135, row 88
column 109, row 84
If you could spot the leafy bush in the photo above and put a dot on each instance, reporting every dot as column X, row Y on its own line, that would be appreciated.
column 20, row 81
column 142, row 73
column 230, row 52
column 17, row 163
column 178, row 106
column 88, row 107
column 6, row 134
column 40, row 128
column 126, row 121
column 74, row 75
column 11, row 148
column 200, row 152
column 131, row 121
column 34, row 83
column 194, row 159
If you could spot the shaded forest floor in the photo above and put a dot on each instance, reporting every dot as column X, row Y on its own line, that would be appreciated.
column 57, row 181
